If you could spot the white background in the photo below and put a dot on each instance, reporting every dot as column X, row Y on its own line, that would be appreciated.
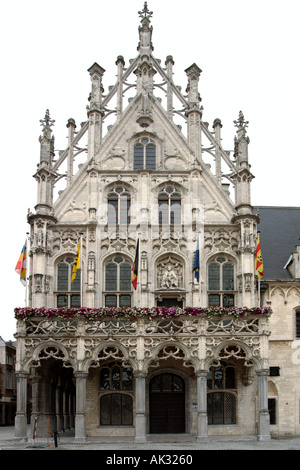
column 248, row 51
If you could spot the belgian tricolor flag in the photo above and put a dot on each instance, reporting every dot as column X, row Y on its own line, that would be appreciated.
column 135, row 267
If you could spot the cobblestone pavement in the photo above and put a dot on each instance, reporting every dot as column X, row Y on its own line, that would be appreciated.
column 66, row 441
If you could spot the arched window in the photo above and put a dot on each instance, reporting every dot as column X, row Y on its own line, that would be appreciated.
column 221, row 397
column 117, row 282
column 144, row 155
column 118, row 201
column 68, row 293
column 116, row 406
column 221, row 282
column 169, row 206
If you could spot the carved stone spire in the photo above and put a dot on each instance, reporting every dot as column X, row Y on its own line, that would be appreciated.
column 45, row 176
column 243, row 176
column 145, row 31
column 46, row 140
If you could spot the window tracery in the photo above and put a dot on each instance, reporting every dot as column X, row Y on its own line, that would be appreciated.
column 221, row 283
column 144, row 154
column 68, row 293
column 117, row 282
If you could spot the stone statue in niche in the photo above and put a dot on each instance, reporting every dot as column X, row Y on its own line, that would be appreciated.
column 169, row 278
column 169, row 274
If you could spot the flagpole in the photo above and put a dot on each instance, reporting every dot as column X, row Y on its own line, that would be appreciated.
column 81, row 271
column 139, row 277
column 27, row 269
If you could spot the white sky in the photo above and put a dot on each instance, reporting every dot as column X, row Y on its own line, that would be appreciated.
column 248, row 51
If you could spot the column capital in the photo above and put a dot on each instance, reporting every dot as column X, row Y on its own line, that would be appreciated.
column 80, row 374
column 201, row 373
column 262, row 372
column 140, row 374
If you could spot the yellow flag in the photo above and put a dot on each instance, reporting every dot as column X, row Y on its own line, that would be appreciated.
column 259, row 265
column 76, row 264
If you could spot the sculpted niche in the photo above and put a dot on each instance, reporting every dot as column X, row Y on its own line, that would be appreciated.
column 169, row 274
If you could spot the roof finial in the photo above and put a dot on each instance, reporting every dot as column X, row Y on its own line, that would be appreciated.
column 145, row 13
column 240, row 123
column 145, row 31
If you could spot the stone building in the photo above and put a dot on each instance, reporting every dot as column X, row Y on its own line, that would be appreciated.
column 187, row 351
column 7, row 382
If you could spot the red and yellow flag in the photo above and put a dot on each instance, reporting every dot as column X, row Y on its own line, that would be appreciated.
column 21, row 265
column 135, row 267
column 259, row 265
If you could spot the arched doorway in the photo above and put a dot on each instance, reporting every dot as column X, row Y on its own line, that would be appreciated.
column 167, row 404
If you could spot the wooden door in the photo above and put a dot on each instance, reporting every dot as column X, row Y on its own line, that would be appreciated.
column 167, row 404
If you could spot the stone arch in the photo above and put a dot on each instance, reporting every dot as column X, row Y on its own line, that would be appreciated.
column 108, row 351
column 124, row 184
column 234, row 349
column 49, row 350
column 171, row 349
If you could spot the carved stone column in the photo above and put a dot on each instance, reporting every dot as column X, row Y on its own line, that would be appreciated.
column 202, row 426
column 140, row 407
column 21, row 414
column 263, row 412
column 80, row 423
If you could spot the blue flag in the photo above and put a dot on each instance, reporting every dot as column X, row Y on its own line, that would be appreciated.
column 196, row 262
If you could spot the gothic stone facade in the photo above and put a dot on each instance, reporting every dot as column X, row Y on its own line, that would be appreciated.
column 150, row 179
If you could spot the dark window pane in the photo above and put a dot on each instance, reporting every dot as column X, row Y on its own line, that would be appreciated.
column 229, row 404
column 218, row 408
column 228, row 277
column 178, row 385
column 124, row 209
column 228, row 300
column 127, row 379
column 156, row 384
column 218, row 378
column 175, row 210
column 150, row 157
column 298, row 324
column 105, row 410
column 229, row 377
column 116, row 378
column 272, row 410
column 163, row 207
column 110, row 301
column 125, row 277
column 125, row 301
column 62, row 277
column 62, row 300
column 210, row 408
column 105, row 379
column 116, row 409
column 111, row 277
column 112, row 217
column 75, row 301
column 214, row 277
column 167, row 383
column 214, row 300
column 138, row 157
column 126, row 410
column 209, row 380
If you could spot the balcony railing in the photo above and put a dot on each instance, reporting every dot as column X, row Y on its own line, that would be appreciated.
column 156, row 321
